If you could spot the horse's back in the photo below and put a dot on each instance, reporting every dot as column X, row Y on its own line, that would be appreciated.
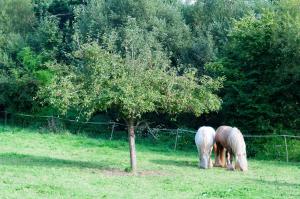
column 222, row 134
column 205, row 133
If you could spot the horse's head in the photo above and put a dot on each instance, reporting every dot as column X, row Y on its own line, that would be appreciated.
column 241, row 162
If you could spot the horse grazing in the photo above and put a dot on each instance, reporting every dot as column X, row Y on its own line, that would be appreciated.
column 232, row 140
column 204, row 140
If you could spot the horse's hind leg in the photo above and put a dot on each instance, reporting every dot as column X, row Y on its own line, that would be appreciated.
column 229, row 158
column 227, row 154
column 199, row 156
column 219, row 156
column 222, row 156
column 216, row 155
column 210, row 164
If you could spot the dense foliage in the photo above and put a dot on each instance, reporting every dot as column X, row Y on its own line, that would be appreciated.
column 262, row 62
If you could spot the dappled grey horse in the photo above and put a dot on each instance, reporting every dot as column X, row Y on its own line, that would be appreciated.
column 231, row 140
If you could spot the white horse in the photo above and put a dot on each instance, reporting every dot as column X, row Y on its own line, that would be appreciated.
column 204, row 139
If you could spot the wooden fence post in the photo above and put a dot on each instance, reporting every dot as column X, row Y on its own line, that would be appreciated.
column 112, row 131
column 53, row 124
column 286, row 150
column 176, row 139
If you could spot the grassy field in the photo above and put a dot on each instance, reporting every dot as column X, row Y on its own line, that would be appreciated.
column 45, row 165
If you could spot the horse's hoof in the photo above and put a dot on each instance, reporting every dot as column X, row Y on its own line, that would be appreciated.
column 217, row 165
column 230, row 168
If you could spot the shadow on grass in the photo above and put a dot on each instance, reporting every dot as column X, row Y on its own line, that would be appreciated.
column 17, row 159
column 276, row 183
column 281, row 164
column 179, row 163
column 86, row 140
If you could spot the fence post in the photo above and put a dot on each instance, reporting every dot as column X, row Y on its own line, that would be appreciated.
column 5, row 118
column 51, row 123
column 286, row 150
column 112, row 131
column 176, row 139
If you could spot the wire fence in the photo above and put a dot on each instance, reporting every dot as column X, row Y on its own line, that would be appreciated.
column 288, row 143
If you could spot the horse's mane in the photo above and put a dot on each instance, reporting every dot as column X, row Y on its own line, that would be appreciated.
column 236, row 141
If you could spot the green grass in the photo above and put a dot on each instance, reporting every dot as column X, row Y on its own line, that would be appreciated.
column 45, row 165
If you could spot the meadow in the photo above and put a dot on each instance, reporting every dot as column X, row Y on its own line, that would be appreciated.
column 36, row 164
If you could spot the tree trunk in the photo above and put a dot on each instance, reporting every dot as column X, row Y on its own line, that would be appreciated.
column 131, row 137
